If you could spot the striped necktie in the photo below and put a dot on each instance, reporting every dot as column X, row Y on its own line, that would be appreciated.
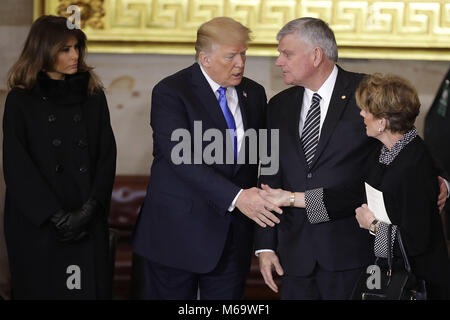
column 310, row 133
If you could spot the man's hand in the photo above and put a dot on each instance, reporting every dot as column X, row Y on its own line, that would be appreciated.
column 279, row 197
column 268, row 261
column 256, row 208
column 443, row 192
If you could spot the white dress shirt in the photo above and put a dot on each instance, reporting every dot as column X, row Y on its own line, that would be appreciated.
column 325, row 91
column 233, row 104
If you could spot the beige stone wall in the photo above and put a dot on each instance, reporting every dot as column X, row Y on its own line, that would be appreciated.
column 129, row 80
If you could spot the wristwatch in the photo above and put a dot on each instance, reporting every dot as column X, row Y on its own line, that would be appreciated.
column 292, row 199
column 373, row 227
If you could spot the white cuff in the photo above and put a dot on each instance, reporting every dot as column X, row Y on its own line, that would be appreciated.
column 233, row 204
column 263, row 250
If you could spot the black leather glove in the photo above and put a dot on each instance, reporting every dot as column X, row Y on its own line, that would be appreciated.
column 71, row 226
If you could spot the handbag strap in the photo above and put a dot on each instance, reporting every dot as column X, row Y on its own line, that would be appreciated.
column 390, row 249
column 403, row 251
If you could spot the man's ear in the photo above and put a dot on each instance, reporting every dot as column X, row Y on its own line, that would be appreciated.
column 318, row 56
column 204, row 59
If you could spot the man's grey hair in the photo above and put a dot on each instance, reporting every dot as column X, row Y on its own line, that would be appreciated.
column 315, row 32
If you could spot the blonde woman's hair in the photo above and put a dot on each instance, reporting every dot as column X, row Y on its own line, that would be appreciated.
column 390, row 97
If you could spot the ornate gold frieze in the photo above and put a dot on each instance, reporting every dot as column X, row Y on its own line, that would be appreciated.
column 409, row 29
column 91, row 12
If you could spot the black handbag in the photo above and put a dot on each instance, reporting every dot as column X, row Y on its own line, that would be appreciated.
column 389, row 282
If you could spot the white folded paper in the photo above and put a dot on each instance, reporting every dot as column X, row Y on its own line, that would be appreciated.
column 375, row 203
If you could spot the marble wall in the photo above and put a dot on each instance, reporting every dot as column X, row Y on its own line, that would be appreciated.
column 129, row 80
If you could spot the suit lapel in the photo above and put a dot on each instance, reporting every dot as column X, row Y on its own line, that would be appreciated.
column 242, row 97
column 210, row 104
column 207, row 98
column 339, row 99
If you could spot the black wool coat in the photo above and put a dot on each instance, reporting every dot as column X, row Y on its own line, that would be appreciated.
column 58, row 151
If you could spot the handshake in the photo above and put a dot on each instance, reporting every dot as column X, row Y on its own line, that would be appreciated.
column 257, row 204
column 72, row 226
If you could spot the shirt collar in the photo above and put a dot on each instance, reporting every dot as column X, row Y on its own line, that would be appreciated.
column 214, row 86
column 387, row 156
column 326, row 90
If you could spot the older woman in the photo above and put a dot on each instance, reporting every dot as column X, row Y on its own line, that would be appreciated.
column 403, row 170
column 59, row 164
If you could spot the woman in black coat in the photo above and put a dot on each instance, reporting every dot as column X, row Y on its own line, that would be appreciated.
column 59, row 157
column 403, row 170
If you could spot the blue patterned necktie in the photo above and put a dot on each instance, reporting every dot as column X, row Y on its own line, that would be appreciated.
column 228, row 117
column 310, row 133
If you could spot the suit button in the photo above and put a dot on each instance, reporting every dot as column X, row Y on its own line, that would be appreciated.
column 82, row 144
column 83, row 169
column 58, row 168
column 76, row 118
column 309, row 176
column 51, row 118
column 56, row 143
column 44, row 98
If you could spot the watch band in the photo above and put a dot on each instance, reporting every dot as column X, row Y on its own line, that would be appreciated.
column 292, row 199
column 373, row 227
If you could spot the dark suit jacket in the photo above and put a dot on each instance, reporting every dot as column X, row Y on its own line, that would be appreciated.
column 437, row 128
column 184, row 221
column 340, row 154
column 437, row 135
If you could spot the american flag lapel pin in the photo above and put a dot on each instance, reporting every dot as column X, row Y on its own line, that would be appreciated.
column 244, row 94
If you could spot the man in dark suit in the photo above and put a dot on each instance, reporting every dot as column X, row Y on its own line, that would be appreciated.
column 437, row 135
column 437, row 125
column 322, row 148
column 196, row 226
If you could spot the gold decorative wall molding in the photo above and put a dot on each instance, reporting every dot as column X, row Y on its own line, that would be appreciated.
column 92, row 12
column 383, row 29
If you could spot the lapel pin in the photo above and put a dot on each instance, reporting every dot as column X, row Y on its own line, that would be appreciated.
column 244, row 94
column 343, row 97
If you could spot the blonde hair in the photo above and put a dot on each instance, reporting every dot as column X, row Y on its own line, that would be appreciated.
column 390, row 97
column 47, row 36
column 220, row 30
